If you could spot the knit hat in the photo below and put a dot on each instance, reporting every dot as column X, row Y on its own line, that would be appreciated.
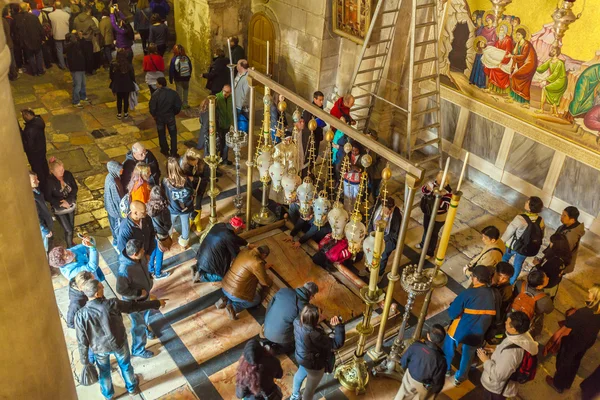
column 483, row 274
column 253, row 352
column 237, row 223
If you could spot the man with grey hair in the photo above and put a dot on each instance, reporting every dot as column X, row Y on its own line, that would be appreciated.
column 59, row 20
column 99, row 326
column 283, row 309
column 139, row 153
column 241, row 92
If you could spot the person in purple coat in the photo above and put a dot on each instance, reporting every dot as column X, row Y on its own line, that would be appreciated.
column 123, row 31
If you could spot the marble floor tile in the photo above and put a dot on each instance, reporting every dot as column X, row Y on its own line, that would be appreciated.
column 468, row 211
column 296, row 268
column 169, row 386
column 495, row 205
column 181, row 393
column 209, row 332
column 453, row 267
column 224, row 380
column 150, row 369
column 378, row 388
column 466, row 239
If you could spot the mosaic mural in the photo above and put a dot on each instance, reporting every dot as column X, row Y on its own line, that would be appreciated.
column 514, row 62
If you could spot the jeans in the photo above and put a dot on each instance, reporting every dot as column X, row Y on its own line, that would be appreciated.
column 242, row 120
column 224, row 148
column 467, row 355
column 122, row 102
column 185, row 224
column 162, row 126
column 240, row 305
column 13, row 72
column 314, row 378
column 59, row 44
column 182, row 88
column 144, row 35
column 518, row 264
column 35, row 60
column 206, row 277
column 139, row 331
column 114, row 227
column 156, row 261
column 45, row 239
column 78, row 86
column 107, row 53
column 124, row 360
column 387, row 251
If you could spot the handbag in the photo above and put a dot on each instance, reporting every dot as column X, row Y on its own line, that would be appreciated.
column 89, row 375
column 165, row 243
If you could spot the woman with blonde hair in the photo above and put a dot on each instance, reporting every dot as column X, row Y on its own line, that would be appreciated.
column 584, row 324
column 180, row 196
column 62, row 195
column 139, row 187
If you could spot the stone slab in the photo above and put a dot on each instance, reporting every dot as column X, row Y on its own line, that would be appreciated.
column 74, row 160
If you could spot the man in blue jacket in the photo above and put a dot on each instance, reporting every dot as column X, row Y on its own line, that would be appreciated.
column 83, row 257
column 134, row 283
column 138, row 226
column 283, row 309
column 473, row 311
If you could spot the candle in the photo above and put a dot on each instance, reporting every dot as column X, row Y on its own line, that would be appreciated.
column 377, row 249
column 443, row 182
column 229, row 48
column 212, row 140
column 462, row 173
column 268, row 57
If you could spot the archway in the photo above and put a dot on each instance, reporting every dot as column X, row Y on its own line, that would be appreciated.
column 260, row 32
column 458, row 54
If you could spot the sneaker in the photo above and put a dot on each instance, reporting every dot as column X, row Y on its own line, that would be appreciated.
column 144, row 354
column 118, row 116
column 183, row 242
column 126, row 115
column 457, row 383
column 231, row 312
column 418, row 246
column 135, row 391
column 162, row 275
column 449, row 373
column 150, row 333
column 221, row 303
column 86, row 100
column 78, row 105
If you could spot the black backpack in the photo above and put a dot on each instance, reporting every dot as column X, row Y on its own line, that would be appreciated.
column 530, row 242
column 426, row 204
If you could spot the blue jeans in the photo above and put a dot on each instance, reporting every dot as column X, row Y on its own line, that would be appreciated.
column 185, row 224
column 124, row 360
column 314, row 378
column 467, row 355
column 518, row 264
column 78, row 86
column 156, row 260
column 242, row 121
column 240, row 305
column 107, row 53
column 206, row 277
column 139, row 331
column 59, row 53
column 45, row 239
column 35, row 58
column 114, row 227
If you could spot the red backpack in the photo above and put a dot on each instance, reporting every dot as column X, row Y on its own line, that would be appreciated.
column 526, row 370
column 525, row 301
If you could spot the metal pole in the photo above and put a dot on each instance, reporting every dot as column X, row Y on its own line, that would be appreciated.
column 232, row 77
column 250, row 162
column 412, row 185
column 213, row 160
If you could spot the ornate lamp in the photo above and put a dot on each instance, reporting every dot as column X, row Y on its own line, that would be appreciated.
column 276, row 174
column 236, row 140
column 338, row 216
column 355, row 230
column 498, row 7
column 306, row 193
column 321, row 204
column 563, row 16
column 290, row 182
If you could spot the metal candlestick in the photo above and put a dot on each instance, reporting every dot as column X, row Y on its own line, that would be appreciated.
column 563, row 17
column 498, row 7
column 236, row 140
column 213, row 160
column 265, row 216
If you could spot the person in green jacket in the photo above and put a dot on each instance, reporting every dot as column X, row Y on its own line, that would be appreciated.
column 224, row 119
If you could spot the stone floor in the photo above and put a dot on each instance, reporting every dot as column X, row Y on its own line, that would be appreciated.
column 198, row 347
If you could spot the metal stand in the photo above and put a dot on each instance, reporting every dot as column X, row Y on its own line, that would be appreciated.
column 236, row 140
column 213, row 160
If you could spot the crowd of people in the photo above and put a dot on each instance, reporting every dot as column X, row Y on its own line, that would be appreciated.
column 498, row 318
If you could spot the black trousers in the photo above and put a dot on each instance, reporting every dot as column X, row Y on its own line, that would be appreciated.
column 434, row 237
column 492, row 396
column 162, row 127
column 39, row 165
column 144, row 35
column 567, row 365
column 122, row 102
column 88, row 54
column 49, row 51
column 67, row 221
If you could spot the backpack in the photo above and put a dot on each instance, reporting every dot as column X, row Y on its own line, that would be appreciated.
column 531, row 240
column 526, row 370
column 124, row 205
column 525, row 301
column 426, row 204
column 129, row 34
column 182, row 65
column 46, row 26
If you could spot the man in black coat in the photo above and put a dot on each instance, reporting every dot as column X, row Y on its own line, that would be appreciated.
column 138, row 226
column 237, row 51
column 218, row 74
column 99, row 326
column 218, row 249
column 139, row 153
column 44, row 216
column 283, row 309
column 34, row 143
column 425, row 367
column 391, row 215
column 165, row 104
column 31, row 36
column 318, row 98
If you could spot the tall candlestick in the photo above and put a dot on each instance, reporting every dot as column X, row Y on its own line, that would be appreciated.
column 462, row 172
column 212, row 138
column 445, row 174
column 231, row 67
column 268, row 58
column 379, row 233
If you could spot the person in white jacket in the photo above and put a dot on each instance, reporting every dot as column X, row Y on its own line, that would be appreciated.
column 506, row 358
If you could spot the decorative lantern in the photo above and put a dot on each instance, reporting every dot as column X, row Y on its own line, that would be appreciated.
column 263, row 163
column 355, row 233
column 321, row 207
column 290, row 182
column 276, row 173
column 337, row 217
column 368, row 248
column 305, row 196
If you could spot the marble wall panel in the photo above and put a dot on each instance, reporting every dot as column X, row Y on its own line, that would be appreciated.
column 578, row 185
column 529, row 160
column 450, row 112
column 483, row 137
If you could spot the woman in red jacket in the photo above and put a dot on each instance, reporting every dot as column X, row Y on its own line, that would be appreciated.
column 154, row 66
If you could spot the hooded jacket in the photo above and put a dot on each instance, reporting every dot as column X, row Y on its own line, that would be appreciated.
column 498, row 369
column 218, row 249
column 132, row 278
column 426, row 363
column 573, row 233
column 283, row 309
column 106, row 30
column 77, row 299
column 99, row 324
column 313, row 345
column 517, row 227
column 247, row 271
column 84, row 23
column 34, row 137
column 130, row 230
column 113, row 189
column 86, row 259
column 130, row 163
column 181, row 200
